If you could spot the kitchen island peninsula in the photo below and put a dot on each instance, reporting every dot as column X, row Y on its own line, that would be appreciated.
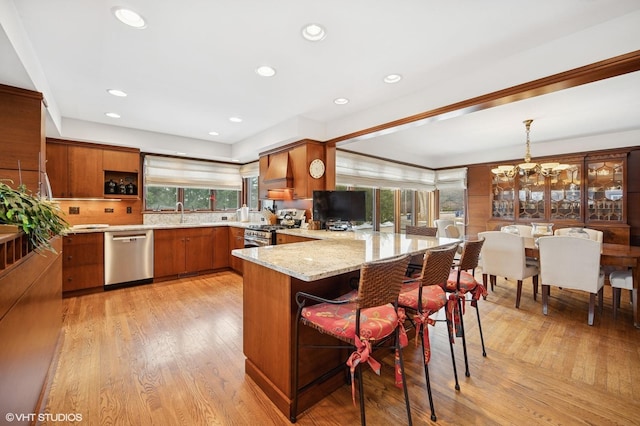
column 272, row 277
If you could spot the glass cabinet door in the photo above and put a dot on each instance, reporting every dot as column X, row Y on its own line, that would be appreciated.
column 503, row 197
column 565, row 194
column 605, row 190
column 531, row 199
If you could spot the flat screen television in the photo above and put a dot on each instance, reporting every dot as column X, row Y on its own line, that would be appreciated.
column 346, row 206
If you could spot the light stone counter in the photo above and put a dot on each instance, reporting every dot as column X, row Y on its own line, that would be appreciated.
column 84, row 229
column 335, row 253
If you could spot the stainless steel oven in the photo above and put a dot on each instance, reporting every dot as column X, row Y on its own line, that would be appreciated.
column 260, row 236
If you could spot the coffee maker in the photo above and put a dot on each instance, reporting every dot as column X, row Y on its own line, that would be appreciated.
column 291, row 218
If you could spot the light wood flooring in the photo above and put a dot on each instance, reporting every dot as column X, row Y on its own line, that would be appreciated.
column 171, row 354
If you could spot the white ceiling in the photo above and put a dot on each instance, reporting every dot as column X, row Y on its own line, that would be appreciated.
column 193, row 67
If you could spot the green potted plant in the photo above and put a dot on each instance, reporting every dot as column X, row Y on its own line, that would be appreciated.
column 40, row 219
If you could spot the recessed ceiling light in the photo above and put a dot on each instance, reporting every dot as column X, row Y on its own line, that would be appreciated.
column 112, row 114
column 265, row 71
column 129, row 17
column 116, row 92
column 341, row 101
column 213, row 133
column 180, row 153
column 392, row 78
column 235, row 119
column 314, row 32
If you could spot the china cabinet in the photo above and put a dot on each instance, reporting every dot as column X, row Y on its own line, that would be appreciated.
column 533, row 196
column 590, row 191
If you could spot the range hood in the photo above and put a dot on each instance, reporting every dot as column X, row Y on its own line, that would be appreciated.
column 279, row 174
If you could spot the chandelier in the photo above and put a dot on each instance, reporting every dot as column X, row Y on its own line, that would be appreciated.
column 528, row 167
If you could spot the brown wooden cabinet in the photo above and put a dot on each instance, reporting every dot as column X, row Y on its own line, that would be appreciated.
column 121, row 161
column 75, row 171
column 22, row 137
column 168, row 253
column 82, row 261
column 301, row 184
column 300, row 158
column 287, row 239
column 183, row 251
column 236, row 241
column 81, row 170
column 220, row 247
column 30, row 325
column 199, row 248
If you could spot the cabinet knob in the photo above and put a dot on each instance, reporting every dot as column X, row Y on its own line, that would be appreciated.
column 69, row 257
column 69, row 279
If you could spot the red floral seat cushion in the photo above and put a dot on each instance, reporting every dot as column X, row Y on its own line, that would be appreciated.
column 467, row 281
column 468, row 284
column 340, row 320
column 433, row 297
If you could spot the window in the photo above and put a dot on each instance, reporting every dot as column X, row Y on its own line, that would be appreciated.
column 387, row 210
column 160, row 198
column 409, row 202
column 249, row 173
column 225, row 199
column 197, row 199
column 251, row 183
column 452, row 204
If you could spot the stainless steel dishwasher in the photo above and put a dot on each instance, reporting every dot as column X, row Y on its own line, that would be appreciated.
column 128, row 257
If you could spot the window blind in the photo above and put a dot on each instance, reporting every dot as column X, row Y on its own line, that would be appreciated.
column 250, row 169
column 360, row 170
column 187, row 173
column 452, row 178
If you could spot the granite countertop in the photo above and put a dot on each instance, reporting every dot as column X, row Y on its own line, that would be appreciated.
column 335, row 253
column 97, row 227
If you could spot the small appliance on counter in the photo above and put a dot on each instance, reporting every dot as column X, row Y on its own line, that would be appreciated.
column 291, row 218
column 243, row 213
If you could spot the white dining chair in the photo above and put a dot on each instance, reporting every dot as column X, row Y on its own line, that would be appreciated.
column 620, row 280
column 522, row 230
column 441, row 224
column 571, row 263
column 503, row 254
column 592, row 234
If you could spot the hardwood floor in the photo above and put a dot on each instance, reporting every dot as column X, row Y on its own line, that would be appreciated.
column 171, row 354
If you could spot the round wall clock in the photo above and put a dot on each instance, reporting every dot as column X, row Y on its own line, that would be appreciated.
column 316, row 168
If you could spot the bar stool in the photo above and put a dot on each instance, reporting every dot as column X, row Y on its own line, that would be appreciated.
column 424, row 296
column 363, row 319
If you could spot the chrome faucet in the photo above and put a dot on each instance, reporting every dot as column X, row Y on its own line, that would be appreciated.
column 180, row 206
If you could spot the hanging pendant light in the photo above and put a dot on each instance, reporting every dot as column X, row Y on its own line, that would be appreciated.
column 529, row 167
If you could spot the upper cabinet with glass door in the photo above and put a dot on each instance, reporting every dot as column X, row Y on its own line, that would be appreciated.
column 531, row 196
column 605, row 190
column 543, row 194
column 565, row 194
column 503, row 196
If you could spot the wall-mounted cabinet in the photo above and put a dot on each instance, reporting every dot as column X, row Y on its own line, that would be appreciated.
column 80, row 170
column 22, row 137
column 74, row 171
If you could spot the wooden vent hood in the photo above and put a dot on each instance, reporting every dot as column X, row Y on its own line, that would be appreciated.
column 279, row 174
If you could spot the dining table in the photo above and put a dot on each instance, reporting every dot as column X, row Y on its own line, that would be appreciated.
column 617, row 255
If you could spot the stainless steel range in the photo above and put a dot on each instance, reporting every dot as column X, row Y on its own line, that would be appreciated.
column 260, row 235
